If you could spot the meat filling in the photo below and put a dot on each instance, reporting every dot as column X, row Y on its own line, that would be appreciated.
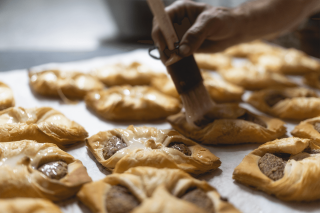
column 54, row 170
column 317, row 127
column 272, row 166
column 120, row 200
column 199, row 198
column 252, row 118
column 181, row 147
column 273, row 98
column 113, row 145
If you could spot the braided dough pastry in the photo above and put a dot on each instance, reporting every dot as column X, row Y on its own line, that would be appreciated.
column 132, row 103
column 243, row 127
column 42, row 124
column 310, row 129
column 213, row 61
column 39, row 170
column 298, row 166
column 146, row 189
column 6, row 96
column 57, row 83
column 121, row 149
column 253, row 77
column 312, row 80
column 219, row 90
column 28, row 205
column 287, row 103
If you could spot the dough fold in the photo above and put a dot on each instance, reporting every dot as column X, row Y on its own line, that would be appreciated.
column 28, row 205
column 6, row 96
column 308, row 129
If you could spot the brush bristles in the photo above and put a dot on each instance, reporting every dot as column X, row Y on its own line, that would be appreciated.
column 197, row 102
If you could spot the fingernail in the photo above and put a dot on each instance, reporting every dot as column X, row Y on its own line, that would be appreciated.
column 184, row 50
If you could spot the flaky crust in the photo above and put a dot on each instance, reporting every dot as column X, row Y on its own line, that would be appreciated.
column 6, row 96
column 28, row 205
column 306, row 129
column 19, row 176
column 302, row 103
column 148, row 146
column 229, row 130
column 301, row 174
column 312, row 80
column 132, row 103
column 42, row 124
column 58, row 83
column 157, row 189
column 213, row 61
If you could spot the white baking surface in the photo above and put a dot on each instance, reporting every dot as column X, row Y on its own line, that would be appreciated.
column 244, row 198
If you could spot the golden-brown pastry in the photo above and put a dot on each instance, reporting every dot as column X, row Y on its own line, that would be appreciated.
column 219, row 90
column 244, row 127
column 287, row 103
column 312, row 80
column 310, row 129
column 253, row 77
column 287, row 168
column 121, row 149
column 121, row 74
column 42, row 124
column 28, row 205
column 6, row 96
column 58, row 83
column 39, row 170
column 132, row 103
column 146, row 189
column 213, row 61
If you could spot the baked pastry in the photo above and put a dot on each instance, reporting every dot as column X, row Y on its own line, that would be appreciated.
column 58, row 83
column 132, row 103
column 28, row 205
column 312, row 80
column 42, row 124
column 121, row 74
column 310, row 129
column 287, row 103
column 213, row 61
column 287, row 168
column 219, row 90
column 243, row 127
column 146, row 189
column 6, row 96
column 253, row 77
column 39, row 170
column 121, row 149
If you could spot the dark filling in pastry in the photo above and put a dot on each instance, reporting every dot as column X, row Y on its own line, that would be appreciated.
column 317, row 127
column 54, row 170
column 252, row 118
column 113, row 145
column 181, row 147
column 273, row 98
column 311, row 151
column 120, row 200
column 272, row 166
column 199, row 198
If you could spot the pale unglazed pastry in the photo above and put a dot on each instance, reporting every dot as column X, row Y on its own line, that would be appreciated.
column 287, row 103
column 154, row 191
column 310, row 129
column 300, row 169
column 220, row 91
column 28, row 205
column 213, row 61
column 121, row 74
column 42, row 124
column 6, row 96
column 312, row 80
column 120, row 149
column 58, row 83
column 242, row 127
column 132, row 103
column 253, row 77
column 20, row 175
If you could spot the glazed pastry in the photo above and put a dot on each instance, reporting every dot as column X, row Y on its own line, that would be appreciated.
column 69, row 84
column 120, row 74
column 253, row 77
column 312, row 80
column 39, row 170
column 243, row 127
column 219, row 90
column 287, row 168
column 28, row 205
column 146, row 189
column 42, row 124
column 310, row 129
column 213, row 61
column 287, row 103
column 132, row 103
column 6, row 96
column 121, row 149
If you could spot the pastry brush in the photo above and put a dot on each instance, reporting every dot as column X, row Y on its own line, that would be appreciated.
column 183, row 71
